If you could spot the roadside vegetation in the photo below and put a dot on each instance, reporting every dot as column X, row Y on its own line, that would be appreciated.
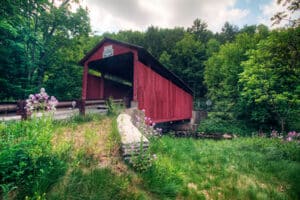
column 79, row 159
column 243, row 168
column 72, row 159
column 246, row 78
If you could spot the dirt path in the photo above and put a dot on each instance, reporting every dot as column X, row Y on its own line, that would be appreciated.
column 91, row 147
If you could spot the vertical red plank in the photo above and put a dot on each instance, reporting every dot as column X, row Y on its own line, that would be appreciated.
column 136, row 74
column 102, row 86
column 162, row 99
column 84, row 81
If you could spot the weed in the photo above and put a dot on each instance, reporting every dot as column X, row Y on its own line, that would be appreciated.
column 113, row 109
column 27, row 163
column 244, row 168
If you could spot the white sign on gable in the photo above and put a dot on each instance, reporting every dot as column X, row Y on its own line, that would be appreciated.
column 108, row 51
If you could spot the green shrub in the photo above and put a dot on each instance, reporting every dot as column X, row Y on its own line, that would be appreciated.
column 222, row 126
column 27, row 163
column 111, row 107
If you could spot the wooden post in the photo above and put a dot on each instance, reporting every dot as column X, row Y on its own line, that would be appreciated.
column 22, row 110
column 81, row 106
column 81, row 103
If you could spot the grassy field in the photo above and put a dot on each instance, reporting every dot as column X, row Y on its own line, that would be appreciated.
column 80, row 159
column 244, row 168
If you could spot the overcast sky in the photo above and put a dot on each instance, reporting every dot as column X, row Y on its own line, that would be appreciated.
column 115, row 15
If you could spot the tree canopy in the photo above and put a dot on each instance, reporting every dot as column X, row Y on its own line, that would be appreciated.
column 249, row 73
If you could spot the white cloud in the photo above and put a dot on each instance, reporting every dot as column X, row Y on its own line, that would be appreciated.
column 114, row 15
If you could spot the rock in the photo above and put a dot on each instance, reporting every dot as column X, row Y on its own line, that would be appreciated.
column 133, row 141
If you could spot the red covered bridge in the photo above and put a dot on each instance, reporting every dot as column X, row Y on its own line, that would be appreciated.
column 127, row 71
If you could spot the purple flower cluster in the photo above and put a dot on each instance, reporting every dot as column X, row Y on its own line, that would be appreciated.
column 292, row 135
column 40, row 101
column 145, row 124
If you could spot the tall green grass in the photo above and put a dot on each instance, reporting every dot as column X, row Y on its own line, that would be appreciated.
column 87, row 179
column 101, row 183
column 244, row 168
column 27, row 163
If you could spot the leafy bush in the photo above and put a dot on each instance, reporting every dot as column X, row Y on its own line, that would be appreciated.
column 27, row 163
column 222, row 126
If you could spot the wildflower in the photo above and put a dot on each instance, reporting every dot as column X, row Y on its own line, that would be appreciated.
column 289, row 139
column 37, row 96
column 40, row 100
column 292, row 134
column 138, row 118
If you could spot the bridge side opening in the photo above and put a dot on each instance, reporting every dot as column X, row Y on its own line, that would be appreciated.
column 111, row 77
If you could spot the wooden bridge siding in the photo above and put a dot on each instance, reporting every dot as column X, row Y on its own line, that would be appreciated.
column 94, row 87
column 118, row 49
column 115, row 90
column 162, row 100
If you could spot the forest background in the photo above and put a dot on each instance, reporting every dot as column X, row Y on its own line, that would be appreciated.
column 250, row 74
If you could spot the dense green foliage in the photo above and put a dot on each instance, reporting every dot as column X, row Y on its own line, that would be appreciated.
column 220, row 126
column 270, row 81
column 249, row 74
column 33, row 38
column 255, row 78
column 60, row 161
column 28, row 163
column 244, row 168
column 43, row 163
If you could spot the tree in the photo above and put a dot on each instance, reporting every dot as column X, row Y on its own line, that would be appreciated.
column 250, row 30
column 228, row 33
column 158, row 40
column 32, row 33
column 188, row 63
column 221, row 75
column 212, row 46
column 200, row 31
column 291, row 7
column 271, row 79
column 165, row 59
